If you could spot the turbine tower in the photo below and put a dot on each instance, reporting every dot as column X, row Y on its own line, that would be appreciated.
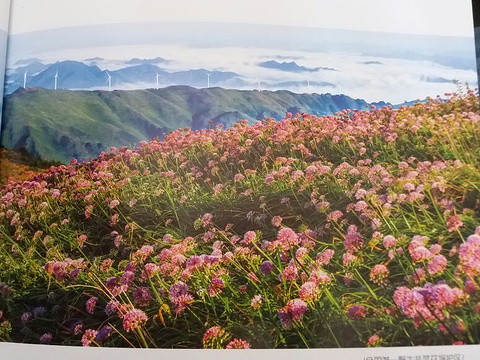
column 109, row 82
column 56, row 80
column 25, row 79
column 208, row 80
column 258, row 82
column 157, row 80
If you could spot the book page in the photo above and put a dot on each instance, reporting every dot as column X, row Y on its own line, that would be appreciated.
column 4, row 17
column 217, row 175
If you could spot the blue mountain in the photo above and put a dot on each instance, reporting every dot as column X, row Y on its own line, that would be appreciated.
column 291, row 66
column 137, row 61
column 77, row 75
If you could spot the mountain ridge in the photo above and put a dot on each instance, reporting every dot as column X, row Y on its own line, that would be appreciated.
column 65, row 124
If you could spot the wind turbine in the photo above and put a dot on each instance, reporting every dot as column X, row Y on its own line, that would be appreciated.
column 258, row 82
column 308, row 87
column 109, row 82
column 208, row 80
column 157, row 80
column 25, row 79
column 56, row 80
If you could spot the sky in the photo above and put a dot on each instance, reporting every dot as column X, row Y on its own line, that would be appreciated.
column 4, row 6
column 428, row 17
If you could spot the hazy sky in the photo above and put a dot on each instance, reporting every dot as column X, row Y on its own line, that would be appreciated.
column 433, row 17
column 4, row 5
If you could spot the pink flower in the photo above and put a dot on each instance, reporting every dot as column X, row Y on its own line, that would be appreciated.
column 469, row 256
column 309, row 291
column 300, row 254
column 324, row 257
column 348, row 258
column 90, row 304
column 114, row 219
column 436, row 249
column 142, row 254
column 213, row 337
column 46, row 338
column 374, row 341
column 142, row 296
column 471, row 286
column 88, row 337
column 389, row 242
column 117, row 241
column 361, row 206
column 357, row 312
column 114, row 203
column 419, row 275
column 133, row 319
column 277, row 221
column 216, row 286
column 112, row 307
column 257, row 302
column 427, row 303
column 437, row 265
column 320, row 277
column 454, row 223
column 217, row 189
column 25, row 317
column 238, row 177
column 81, row 239
column 179, row 296
column 420, row 254
column 353, row 239
column 127, row 278
column 207, row 219
column 238, row 344
column 269, row 178
column 379, row 274
column 335, row 215
column 249, row 237
column 293, row 311
column 348, row 278
column 289, row 273
column 287, row 238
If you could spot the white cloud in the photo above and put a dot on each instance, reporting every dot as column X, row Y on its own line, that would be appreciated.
column 394, row 80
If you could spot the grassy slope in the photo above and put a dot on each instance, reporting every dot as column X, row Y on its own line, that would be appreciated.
column 61, row 125
column 164, row 189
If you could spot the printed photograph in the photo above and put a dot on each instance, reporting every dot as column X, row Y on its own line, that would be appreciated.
column 240, row 174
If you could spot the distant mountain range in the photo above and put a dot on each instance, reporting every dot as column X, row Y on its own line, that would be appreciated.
column 137, row 61
column 371, row 63
column 142, row 73
column 63, row 124
column 77, row 75
column 291, row 66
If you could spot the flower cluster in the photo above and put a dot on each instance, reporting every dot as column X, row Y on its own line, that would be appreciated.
column 283, row 233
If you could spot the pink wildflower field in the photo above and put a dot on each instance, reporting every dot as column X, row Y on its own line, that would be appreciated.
column 357, row 229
